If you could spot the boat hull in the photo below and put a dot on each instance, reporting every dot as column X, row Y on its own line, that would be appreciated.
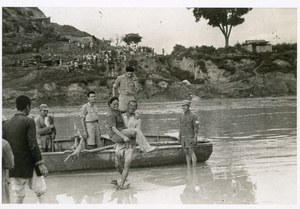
column 168, row 152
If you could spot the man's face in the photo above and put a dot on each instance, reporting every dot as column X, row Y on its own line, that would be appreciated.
column 185, row 108
column 132, row 106
column 92, row 98
column 44, row 113
column 129, row 74
column 115, row 105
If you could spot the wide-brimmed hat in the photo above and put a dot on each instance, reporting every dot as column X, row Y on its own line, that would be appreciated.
column 186, row 102
column 44, row 107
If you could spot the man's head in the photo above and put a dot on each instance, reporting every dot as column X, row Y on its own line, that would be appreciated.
column 91, row 96
column 186, row 105
column 23, row 104
column 44, row 110
column 132, row 106
column 129, row 71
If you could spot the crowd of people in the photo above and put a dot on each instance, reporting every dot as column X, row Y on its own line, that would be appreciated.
column 25, row 138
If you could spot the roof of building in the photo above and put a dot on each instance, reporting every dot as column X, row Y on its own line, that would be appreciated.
column 256, row 42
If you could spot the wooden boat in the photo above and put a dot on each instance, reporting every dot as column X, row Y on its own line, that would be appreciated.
column 169, row 151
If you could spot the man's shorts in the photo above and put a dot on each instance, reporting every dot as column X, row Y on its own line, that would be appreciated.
column 93, row 130
column 36, row 183
column 46, row 142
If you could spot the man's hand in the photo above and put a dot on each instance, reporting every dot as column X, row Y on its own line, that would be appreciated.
column 52, row 126
column 43, row 169
column 195, row 140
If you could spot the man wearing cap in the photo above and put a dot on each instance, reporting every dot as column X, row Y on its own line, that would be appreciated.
column 189, row 126
column 20, row 132
column 90, row 122
column 45, row 132
column 127, row 85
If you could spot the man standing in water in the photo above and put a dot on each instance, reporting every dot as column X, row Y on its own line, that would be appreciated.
column 45, row 131
column 123, row 158
column 189, row 126
column 127, row 85
column 90, row 122
column 20, row 132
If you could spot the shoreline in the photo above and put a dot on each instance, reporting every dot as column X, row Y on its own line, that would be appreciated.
column 175, row 106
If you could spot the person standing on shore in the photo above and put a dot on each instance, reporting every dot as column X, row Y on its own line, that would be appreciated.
column 127, row 85
column 20, row 132
column 90, row 122
column 189, row 126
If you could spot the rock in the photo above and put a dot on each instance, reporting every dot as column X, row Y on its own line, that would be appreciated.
column 186, row 82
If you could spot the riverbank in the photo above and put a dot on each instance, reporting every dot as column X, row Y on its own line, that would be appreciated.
column 174, row 106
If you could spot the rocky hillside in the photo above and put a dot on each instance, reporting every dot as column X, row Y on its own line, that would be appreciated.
column 201, row 72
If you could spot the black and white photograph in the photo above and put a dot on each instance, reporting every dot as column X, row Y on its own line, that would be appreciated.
column 149, row 103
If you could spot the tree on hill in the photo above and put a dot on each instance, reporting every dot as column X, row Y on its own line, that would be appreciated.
column 223, row 18
column 131, row 38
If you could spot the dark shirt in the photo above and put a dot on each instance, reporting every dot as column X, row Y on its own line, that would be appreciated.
column 20, row 132
column 114, row 119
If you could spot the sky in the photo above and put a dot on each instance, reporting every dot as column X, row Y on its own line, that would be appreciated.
column 163, row 24
column 163, row 28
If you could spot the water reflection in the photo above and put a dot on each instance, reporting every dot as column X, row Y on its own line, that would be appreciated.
column 124, row 196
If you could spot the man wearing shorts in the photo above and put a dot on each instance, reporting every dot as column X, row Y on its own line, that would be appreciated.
column 189, row 126
column 29, row 169
column 90, row 122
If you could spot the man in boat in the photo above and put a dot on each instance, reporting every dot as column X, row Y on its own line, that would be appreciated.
column 45, row 129
column 20, row 132
column 127, row 85
column 132, row 121
column 189, row 126
column 90, row 122
column 7, row 164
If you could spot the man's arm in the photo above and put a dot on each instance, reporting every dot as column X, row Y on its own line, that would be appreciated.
column 115, row 86
column 8, row 156
column 136, row 83
column 83, row 115
column 42, row 131
column 34, row 148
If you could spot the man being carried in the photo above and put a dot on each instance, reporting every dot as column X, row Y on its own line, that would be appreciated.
column 127, row 85
column 45, row 132
column 132, row 121
column 29, row 169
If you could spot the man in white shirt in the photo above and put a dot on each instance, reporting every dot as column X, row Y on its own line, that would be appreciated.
column 132, row 121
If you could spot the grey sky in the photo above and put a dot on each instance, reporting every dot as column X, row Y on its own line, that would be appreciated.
column 162, row 24
column 165, row 27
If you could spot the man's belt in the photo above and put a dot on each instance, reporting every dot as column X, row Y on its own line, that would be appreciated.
column 95, row 121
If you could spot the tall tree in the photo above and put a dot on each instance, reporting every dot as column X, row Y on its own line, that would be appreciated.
column 131, row 38
column 223, row 18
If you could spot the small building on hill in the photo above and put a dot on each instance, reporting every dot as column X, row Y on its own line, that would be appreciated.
column 257, row 46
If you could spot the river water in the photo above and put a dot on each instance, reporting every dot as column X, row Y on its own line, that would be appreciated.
column 254, row 159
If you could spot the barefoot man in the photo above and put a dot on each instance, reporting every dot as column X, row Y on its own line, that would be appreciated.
column 189, row 126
